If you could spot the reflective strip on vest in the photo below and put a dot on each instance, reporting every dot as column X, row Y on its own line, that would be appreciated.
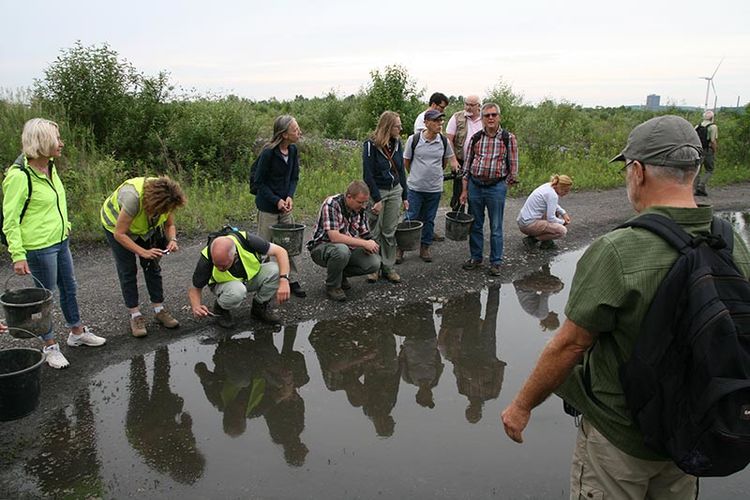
column 140, row 226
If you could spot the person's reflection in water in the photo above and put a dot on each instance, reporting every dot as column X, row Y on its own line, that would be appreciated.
column 534, row 290
column 419, row 358
column 469, row 342
column 67, row 463
column 359, row 357
column 252, row 379
column 156, row 425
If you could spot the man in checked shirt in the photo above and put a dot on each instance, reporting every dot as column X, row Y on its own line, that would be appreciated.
column 490, row 168
column 341, row 241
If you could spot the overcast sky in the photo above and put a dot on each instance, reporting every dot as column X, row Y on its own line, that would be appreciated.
column 589, row 52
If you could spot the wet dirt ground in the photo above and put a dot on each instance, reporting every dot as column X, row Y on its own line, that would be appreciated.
column 404, row 401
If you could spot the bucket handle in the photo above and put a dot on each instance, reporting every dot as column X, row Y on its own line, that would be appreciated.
column 32, row 276
column 28, row 334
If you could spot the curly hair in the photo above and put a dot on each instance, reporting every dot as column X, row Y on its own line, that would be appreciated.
column 162, row 195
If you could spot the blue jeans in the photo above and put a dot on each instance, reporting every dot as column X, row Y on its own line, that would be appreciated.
column 54, row 265
column 423, row 207
column 493, row 199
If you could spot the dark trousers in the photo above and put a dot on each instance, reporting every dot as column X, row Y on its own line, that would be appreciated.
column 457, row 187
column 127, row 272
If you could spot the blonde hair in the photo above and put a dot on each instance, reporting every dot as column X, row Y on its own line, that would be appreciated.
column 382, row 135
column 39, row 137
column 162, row 195
column 563, row 180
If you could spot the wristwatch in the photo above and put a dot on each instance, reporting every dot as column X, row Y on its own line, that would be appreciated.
column 284, row 276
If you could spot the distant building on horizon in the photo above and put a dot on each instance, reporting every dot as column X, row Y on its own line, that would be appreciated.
column 652, row 102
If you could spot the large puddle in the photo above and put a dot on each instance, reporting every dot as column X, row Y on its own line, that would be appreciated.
column 376, row 406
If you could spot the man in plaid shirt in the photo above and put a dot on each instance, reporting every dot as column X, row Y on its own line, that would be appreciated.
column 341, row 241
column 490, row 168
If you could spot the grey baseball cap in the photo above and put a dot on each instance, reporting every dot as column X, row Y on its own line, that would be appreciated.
column 654, row 140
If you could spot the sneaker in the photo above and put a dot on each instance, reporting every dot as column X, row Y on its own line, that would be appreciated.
column 223, row 316
column 471, row 264
column 425, row 254
column 86, row 338
column 399, row 256
column 297, row 290
column 372, row 277
column 530, row 242
column 54, row 357
column 393, row 277
column 494, row 270
column 336, row 294
column 547, row 245
column 138, row 326
column 263, row 312
column 166, row 319
column 345, row 285
column 437, row 237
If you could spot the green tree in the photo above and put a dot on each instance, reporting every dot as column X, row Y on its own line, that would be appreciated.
column 510, row 103
column 392, row 90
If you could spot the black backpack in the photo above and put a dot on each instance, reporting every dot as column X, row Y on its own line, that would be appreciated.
column 19, row 163
column 687, row 382
column 251, row 176
column 703, row 134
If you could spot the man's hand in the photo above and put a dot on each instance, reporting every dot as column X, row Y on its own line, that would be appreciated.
column 515, row 420
column 464, row 197
column 406, row 205
column 200, row 311
column 282, row 293
column 371, row 246
column 376, row 208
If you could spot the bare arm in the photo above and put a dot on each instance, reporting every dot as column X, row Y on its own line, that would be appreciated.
column 282, row 258
column 555, row 363
column 194, row 296
column 371, row 246
column 121, row 236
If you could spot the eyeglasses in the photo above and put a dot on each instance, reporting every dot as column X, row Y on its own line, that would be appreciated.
column 490, row 115
column 623, row 169
column 472, row 104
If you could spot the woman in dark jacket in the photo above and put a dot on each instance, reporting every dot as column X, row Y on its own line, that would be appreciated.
column 383, row 171
column 276, row 177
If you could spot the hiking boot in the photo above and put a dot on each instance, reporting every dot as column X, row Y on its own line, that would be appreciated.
column 547, row 245
column 530, row 242
column 494, row 270
column 336, row 294
column 393, row 277
column 425, row 254
column 372, row 277
column 262, row 311
column 138, row 326
column 399, row 256
column 345, row 285
column 54, row 357
column 86, row 338
column 166, row 319
column 297, row 290
column 471, row 264
column 437, row 236
column 223, row 316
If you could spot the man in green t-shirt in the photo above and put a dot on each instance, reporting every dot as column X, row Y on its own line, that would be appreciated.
column 614, row 284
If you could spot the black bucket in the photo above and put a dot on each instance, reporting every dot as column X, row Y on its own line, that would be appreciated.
column 289, row 237
column 409, row 234
column 19, row 381
column 27, row 309
column 458, row 225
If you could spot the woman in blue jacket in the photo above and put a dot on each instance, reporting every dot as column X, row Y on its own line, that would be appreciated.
column 383, row 171
column 276, row 178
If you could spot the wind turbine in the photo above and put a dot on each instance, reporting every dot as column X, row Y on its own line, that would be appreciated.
column 710, row 84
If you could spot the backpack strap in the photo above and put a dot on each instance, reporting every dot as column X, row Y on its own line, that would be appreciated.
column 721, row 228
column 664, row 227
column 20, row 164
column 414, row 141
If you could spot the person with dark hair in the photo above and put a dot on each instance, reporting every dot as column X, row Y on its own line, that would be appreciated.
column 341, row 240
column 138, row 220
column 36, row 226
column 438, row 102
column 614, row 286
column 276, row 176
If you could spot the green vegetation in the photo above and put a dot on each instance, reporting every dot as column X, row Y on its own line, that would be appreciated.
column 117, row 123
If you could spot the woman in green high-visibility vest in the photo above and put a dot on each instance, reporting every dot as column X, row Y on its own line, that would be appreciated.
column 138, row 220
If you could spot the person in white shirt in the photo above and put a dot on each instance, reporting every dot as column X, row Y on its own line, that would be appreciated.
column 542, row 218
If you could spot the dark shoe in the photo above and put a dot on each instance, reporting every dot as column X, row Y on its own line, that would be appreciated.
column 336, row 294
column 223, row 316
column 530, row 242
column 547, row 245
column 264, row 313
column 297, row 290
column 399, row 256
column 494, row 270
column 471, row 264
column 437, row 237
column 345, row 285
column 425, row 254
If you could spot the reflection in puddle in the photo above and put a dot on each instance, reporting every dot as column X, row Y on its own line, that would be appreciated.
column 355, row 408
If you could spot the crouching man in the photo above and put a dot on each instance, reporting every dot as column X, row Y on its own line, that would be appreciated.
column 341, row 241
column 230, row 265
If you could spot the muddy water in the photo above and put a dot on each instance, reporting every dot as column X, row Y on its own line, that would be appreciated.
column 388, row 406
